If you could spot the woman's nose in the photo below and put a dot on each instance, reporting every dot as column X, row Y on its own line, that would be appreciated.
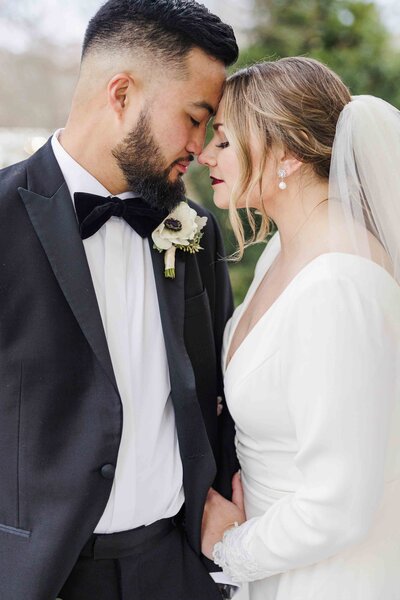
column 205, row 157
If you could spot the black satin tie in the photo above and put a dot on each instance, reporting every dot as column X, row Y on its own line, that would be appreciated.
column 93, row 211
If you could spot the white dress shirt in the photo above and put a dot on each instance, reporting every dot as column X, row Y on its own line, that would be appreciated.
column 148, row 482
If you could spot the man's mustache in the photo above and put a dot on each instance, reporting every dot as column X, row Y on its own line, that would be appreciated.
column 189, row 158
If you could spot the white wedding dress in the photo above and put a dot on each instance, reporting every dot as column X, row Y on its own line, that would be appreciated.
column 314, row 390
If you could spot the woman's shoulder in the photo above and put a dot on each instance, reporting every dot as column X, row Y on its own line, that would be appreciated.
column 337, row 266
column 337, row 274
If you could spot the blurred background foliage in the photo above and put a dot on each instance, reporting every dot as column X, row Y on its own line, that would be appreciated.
column 349, row 36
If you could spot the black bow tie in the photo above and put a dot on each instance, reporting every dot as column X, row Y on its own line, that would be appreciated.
column 93, row 211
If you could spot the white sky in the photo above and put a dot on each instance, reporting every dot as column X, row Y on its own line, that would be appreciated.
column 64, row 21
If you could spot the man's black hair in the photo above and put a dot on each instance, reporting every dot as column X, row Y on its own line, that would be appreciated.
column 167, row 29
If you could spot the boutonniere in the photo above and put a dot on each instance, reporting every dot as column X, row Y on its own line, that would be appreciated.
column 182, row 230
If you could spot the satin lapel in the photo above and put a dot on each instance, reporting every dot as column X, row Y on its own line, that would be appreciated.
column 55, row 224
column 193, row 439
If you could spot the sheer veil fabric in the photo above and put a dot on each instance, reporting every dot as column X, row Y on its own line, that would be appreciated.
column 364, row 182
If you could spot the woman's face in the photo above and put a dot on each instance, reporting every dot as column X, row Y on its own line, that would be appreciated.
column 222, row 161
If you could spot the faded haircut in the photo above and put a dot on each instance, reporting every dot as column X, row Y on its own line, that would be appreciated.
column 166, row 30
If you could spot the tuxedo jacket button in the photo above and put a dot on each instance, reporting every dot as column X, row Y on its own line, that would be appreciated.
column 107, row 471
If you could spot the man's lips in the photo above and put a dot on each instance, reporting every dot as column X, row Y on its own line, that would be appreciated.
column 214, row 180
column 182, row 166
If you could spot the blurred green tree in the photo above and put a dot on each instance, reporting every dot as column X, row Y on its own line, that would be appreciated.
column 347, row 35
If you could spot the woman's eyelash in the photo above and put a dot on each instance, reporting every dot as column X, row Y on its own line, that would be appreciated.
column 223, row 145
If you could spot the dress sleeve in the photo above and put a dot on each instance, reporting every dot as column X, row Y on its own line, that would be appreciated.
column 338, row 365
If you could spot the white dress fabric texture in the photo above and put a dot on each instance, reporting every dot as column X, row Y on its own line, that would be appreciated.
column 314, row 390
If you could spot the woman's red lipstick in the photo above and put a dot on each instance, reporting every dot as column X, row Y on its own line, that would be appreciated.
column 214, row 180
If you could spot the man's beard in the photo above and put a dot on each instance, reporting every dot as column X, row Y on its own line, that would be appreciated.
column 141, row 161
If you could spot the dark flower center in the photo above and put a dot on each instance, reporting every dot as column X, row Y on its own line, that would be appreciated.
column 173, row 224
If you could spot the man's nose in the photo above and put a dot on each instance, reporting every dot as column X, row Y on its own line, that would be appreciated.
column 196, row 142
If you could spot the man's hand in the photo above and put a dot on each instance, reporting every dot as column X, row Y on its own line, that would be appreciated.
column 220, row 514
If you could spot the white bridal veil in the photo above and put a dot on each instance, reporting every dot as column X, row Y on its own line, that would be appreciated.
column 364, row 181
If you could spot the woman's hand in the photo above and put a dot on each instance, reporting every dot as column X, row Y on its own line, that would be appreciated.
column 220, row 514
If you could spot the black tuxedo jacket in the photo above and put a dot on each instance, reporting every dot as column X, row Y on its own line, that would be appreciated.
column 60, row 409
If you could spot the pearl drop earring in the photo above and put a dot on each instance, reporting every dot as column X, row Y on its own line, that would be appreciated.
column 282, row 174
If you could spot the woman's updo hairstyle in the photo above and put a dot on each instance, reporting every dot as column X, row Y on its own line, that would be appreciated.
column 292, row 102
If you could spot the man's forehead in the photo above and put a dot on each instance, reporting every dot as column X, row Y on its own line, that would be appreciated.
column 204, row 70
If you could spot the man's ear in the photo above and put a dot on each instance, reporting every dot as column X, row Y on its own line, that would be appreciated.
column 119, row 88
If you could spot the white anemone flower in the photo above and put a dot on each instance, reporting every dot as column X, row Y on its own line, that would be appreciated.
column 181, row 229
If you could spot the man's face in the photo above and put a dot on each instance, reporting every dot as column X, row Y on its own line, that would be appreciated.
column 170, row 130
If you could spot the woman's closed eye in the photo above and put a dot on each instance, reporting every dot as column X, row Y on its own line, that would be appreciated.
column 223, row 145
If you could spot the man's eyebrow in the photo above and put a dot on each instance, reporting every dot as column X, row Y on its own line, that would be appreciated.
column 202, row 104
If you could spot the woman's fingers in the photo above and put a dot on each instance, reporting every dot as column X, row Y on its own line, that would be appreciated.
column 237, row 491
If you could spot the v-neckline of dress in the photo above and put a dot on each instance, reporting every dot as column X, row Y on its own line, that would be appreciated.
column 255, row 284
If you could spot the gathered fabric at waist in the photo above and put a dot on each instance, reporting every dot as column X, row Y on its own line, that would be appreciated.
column 259, row 497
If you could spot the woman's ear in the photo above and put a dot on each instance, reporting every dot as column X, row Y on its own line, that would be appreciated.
column 289, row 163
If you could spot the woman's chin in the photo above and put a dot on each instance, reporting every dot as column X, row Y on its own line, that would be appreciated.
column 220, row 201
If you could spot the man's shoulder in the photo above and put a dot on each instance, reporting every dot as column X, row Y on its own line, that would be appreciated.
column 11, row 178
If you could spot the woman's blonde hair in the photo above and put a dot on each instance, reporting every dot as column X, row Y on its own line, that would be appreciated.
column 294, row 103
